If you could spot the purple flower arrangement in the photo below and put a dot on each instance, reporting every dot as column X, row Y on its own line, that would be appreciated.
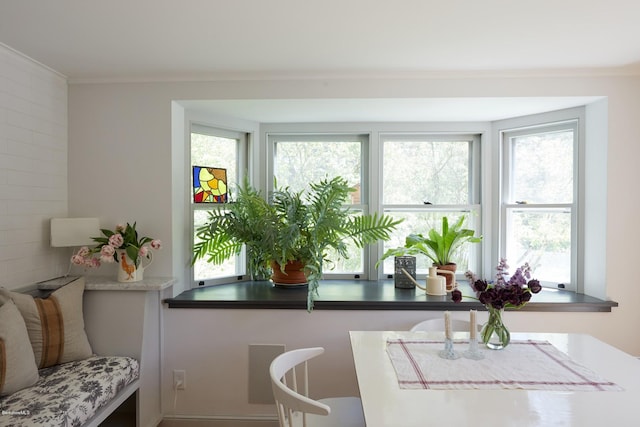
column 505, row 292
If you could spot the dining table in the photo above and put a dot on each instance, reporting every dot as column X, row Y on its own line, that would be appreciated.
column 421, row 379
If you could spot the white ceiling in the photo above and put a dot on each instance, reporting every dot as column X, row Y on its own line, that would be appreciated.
column 143, row 40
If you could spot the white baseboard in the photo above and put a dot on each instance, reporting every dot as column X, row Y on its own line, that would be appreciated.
column 219, row 421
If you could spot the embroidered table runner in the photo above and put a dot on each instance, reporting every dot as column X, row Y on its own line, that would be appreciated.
column 529, row 365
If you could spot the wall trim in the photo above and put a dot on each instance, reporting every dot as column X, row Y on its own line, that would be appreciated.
column 30, row 59
column 219, row 421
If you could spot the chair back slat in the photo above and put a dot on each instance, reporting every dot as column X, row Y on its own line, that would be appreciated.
column 289, row 399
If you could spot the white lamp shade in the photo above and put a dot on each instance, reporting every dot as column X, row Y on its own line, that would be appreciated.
column 67, row 232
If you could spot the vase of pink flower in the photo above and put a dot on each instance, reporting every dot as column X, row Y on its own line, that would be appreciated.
column 122, row 246
column 505, row 292
column 128, row 271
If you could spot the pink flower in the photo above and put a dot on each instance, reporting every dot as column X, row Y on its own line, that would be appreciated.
column 107, row 251
column 77, row 259
column 144, row 251
column 84, row 251
column 106, row 254
column 116, row 240
column 156, row 244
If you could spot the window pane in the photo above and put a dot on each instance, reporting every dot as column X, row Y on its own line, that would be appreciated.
column 215, row 151
column 418, row 172
column 296, row 164
column 422, row 222
column 352, row 265
column 542, row 167
column 541, row 237
column 220, row 152
column 203, row 270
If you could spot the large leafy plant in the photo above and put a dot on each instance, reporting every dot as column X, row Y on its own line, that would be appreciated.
column 249, row 221
column 313, row 223
column 440, row 246
column 296, row 225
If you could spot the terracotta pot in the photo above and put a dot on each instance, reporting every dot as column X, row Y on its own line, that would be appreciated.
column 292, row 277
column 450, row 280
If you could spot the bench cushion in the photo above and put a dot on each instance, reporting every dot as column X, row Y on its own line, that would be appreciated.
column 69, row 394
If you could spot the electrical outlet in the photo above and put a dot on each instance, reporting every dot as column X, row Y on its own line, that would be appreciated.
column 179, row 379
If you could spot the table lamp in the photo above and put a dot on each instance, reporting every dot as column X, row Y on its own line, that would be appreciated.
column 73, row 232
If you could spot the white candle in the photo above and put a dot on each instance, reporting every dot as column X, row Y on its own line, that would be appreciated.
column 473, row 329
column 447, row 325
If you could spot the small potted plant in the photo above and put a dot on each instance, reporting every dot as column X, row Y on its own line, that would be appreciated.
column 297, row 229
column 441, row 246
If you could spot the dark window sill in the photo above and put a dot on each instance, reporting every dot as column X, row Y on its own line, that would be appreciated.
column 365, row 295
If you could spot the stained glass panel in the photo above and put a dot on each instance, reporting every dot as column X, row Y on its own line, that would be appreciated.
column 209, row 185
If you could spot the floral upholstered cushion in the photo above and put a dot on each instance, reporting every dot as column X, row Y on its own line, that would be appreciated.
column 68, row 394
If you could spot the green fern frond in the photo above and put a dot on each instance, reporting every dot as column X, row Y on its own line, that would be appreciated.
column 366, row 229
column 216, row 250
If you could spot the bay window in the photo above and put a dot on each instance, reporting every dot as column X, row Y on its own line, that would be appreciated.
column 518, row 182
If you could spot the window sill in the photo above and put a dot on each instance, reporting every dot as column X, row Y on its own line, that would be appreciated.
column 365, row 295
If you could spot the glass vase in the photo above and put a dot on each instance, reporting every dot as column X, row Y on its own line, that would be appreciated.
column 494, row 333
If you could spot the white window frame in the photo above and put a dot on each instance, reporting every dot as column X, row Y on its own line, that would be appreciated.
column 241, row 169
column 473, row 208
column 364, row 138
column 564, row 119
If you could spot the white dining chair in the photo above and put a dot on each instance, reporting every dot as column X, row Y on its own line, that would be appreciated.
column 290, row 384
column 437, row 324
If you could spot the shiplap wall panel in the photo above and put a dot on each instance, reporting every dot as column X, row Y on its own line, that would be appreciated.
column 33, row 169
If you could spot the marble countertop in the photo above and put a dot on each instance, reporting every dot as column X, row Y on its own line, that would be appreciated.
column 104, row 283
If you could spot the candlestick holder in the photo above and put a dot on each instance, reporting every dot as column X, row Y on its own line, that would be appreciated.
column 448, row 352
column 473, row 352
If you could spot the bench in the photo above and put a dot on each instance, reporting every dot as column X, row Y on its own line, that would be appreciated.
column 74, row 387
column 79, row 393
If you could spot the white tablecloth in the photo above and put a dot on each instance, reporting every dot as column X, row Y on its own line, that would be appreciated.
column 530, row 365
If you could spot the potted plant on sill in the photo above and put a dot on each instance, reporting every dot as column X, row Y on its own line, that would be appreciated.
column 440, row 246
column 295, row 227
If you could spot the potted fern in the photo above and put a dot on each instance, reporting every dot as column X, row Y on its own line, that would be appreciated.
column 440, row 246
column 296, row 228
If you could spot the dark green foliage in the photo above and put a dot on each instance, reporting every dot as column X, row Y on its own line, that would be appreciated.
column 295, row 226
column 439, row 246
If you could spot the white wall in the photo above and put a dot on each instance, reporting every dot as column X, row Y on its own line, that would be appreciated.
column 120, row 134
column 33, row 169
